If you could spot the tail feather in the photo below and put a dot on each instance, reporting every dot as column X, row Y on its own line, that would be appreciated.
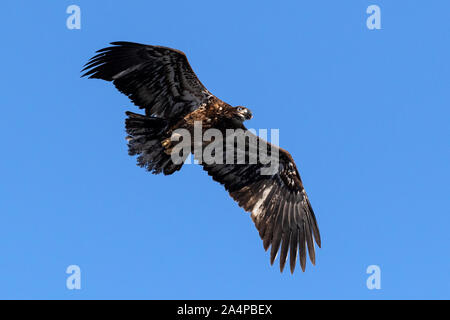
column 145, row 137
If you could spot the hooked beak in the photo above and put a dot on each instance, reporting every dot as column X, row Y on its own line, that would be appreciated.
column 246, row 115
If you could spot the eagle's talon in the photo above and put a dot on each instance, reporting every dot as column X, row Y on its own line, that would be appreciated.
column 166, row 143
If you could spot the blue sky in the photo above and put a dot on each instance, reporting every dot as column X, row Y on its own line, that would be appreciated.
column 363, row 112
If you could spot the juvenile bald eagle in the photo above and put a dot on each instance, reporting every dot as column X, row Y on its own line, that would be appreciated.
column 161, row 81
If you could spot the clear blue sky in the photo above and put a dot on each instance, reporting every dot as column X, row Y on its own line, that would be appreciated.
column 364, row 113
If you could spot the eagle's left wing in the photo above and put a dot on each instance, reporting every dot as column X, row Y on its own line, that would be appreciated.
column 157, row 79
column 278, row 203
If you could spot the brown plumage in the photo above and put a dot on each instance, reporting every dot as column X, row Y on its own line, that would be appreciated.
column 161, row 81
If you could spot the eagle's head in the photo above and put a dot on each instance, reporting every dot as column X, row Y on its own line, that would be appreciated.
column 243, row 113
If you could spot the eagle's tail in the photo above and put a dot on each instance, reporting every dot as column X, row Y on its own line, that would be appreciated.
column 146, row 136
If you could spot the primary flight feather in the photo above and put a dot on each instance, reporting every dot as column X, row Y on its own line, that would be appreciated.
column 161, row 81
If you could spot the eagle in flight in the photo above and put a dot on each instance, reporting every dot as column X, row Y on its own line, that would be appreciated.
column 161, row 81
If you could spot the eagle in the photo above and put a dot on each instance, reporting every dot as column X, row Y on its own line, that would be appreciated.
column 161, row 81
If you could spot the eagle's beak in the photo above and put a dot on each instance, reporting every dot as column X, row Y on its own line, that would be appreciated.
column 245, row 114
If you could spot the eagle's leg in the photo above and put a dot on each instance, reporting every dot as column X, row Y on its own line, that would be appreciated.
column 168, row 143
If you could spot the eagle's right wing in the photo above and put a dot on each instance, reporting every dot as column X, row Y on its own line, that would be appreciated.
column 157, row 79
column 278, row 203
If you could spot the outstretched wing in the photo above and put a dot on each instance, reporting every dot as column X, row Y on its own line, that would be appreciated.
column 157, row 79
column 278, row 202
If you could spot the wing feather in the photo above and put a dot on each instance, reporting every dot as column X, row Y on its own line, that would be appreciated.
column 284, row 249
column 310, row 243
column 276, row 237
column 302, row 248
column 293, row 246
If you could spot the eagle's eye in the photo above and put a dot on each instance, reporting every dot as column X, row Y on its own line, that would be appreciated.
column 240, row 108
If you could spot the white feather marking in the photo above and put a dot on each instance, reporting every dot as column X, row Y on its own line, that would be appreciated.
column 257, row 208
column 126, row 71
